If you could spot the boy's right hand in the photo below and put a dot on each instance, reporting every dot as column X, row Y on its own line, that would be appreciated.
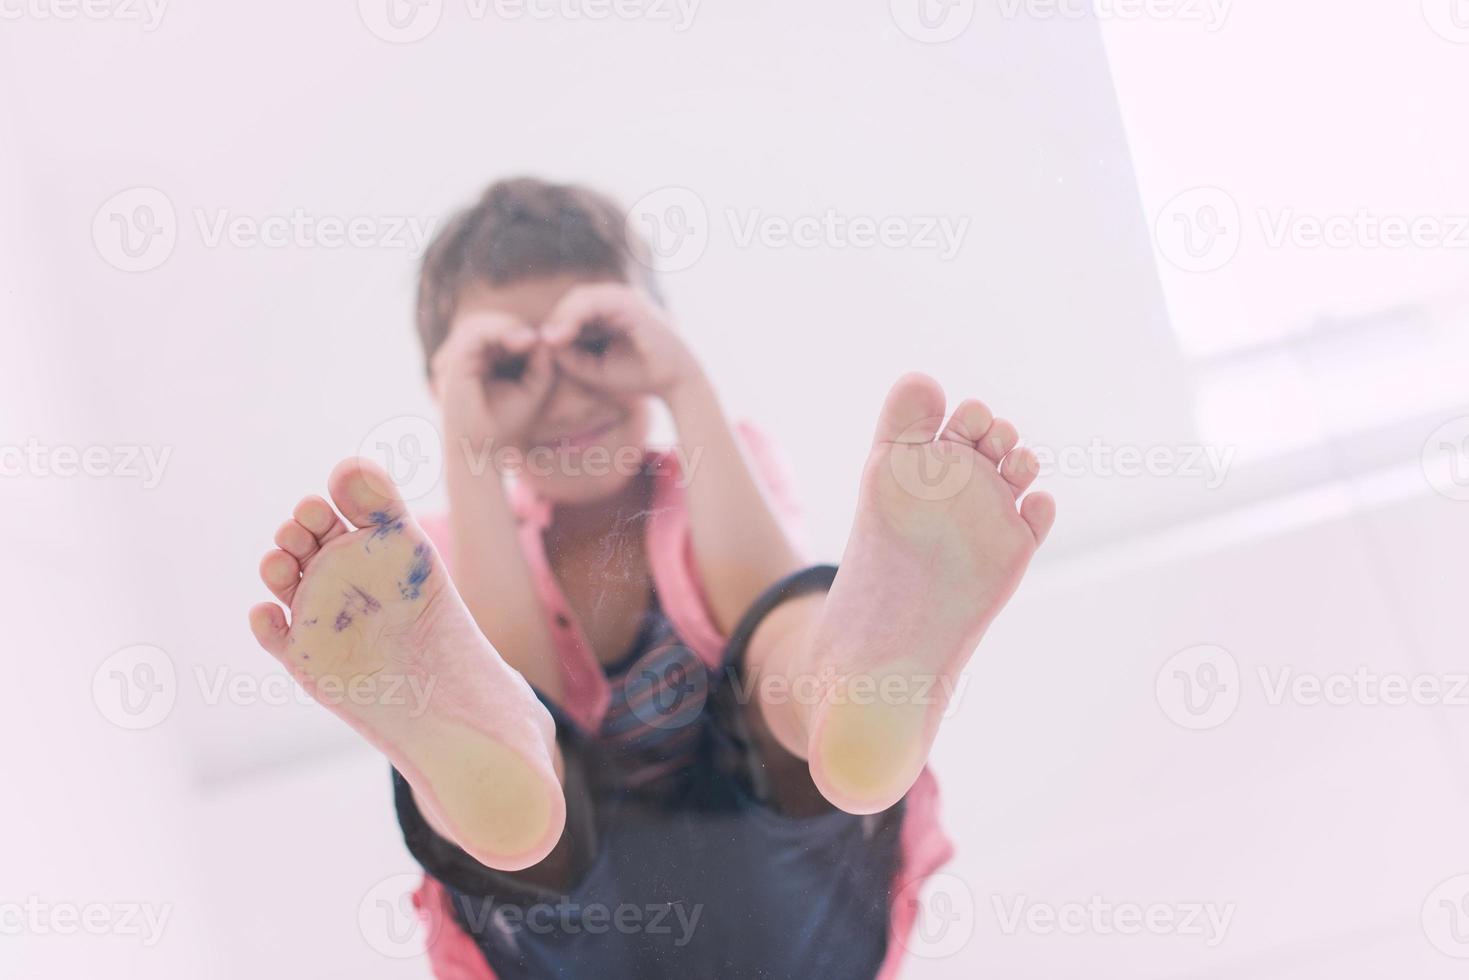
column 490, row 377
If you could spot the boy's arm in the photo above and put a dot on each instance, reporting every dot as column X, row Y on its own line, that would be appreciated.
column 739, row 544
column 494, row 578
column 490, row 569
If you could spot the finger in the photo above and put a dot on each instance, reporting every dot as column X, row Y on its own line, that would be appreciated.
column 540, row 368
column 566, row 317
column 519, row 338
column 521, row 399
column 577, row 364
column 487, row 325
column 597, row 371
column 472, row 338
column 462, row 354
column 605, row 301
column 516, row 357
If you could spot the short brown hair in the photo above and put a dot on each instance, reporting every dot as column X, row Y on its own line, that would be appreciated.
column 524, row 228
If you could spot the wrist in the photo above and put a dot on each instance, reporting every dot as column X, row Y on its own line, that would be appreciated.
column 468, row 435
column 691, row 394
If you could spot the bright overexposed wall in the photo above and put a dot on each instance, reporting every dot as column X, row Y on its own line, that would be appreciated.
column 266, row 827
column 261, row 365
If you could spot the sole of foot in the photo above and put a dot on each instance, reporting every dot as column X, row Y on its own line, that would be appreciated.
column 943, row 533
column 379, row 636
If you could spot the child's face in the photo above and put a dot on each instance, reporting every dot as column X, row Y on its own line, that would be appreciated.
column 581, row 444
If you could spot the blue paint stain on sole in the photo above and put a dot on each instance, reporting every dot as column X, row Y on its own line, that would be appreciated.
column 418, row 573
column 356, row 601
column 383, row 524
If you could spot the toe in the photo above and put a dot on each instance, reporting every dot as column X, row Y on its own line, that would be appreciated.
column 970, row 421
column 364, row 493
column 281, row 574
column 296, row 541
column 268, row 624
column 1039, row 511
column 999, row 440
column 1019, row 469
column 913, row 412
column 317, row 516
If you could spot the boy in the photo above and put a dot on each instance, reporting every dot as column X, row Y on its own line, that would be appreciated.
column 658, row 744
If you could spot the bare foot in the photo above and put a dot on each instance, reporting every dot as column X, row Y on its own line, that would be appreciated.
column 938, row 546
column 380, row 637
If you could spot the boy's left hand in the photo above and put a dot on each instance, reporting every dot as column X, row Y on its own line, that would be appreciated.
column 612, row 336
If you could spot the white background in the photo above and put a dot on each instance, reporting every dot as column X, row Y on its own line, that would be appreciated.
column 1061, row 140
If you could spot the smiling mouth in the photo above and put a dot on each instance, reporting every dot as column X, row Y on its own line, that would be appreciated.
column 584, row 438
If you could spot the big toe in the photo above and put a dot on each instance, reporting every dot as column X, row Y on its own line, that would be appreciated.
column 364, row 493
column 913, row 411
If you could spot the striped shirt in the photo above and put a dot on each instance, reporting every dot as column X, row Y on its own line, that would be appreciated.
column 654, row 722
